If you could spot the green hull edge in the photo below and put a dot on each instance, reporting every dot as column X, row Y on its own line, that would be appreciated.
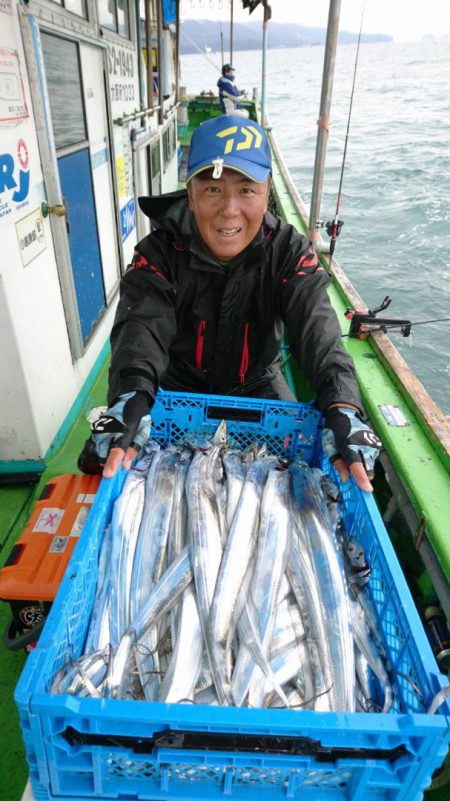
column 15, row 466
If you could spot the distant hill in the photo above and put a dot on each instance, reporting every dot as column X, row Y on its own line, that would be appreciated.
column 248, row 36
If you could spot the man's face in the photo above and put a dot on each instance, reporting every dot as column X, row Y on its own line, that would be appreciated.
column 228, row 211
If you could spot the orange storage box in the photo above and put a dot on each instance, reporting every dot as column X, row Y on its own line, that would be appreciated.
column 33, row 571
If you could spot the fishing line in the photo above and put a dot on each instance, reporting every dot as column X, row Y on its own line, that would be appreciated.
column 336, row 224
column 411, row 682
column 194, row 44
column 313, row 698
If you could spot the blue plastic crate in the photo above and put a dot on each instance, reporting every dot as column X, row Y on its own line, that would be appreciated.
column 344, row 757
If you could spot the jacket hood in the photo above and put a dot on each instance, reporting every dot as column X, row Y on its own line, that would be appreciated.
column 171, row 212
column 155, row 206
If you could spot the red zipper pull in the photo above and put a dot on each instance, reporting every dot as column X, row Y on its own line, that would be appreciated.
column 201, row 328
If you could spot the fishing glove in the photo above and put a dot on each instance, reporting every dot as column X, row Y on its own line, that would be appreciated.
column 347, row 436
column 126, row 423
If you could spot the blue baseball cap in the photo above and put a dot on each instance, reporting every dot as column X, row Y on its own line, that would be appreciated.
column 230, row 142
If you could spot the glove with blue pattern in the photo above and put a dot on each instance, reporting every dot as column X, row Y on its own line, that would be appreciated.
column 124, row 425
column 346, row 436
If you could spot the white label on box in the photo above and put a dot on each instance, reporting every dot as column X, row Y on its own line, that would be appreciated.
column 79, row 522
column 88, row 498
column 48, row 520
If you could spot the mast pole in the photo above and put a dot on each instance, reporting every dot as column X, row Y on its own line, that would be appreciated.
column 231, row 30
column 324, row 117
column 267, row 16
column 177, row 52
column 148, row 47
column 159, row 17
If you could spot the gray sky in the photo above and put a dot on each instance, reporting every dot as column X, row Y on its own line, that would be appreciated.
column 404, row 20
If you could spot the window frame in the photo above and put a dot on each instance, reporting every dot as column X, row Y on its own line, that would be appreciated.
column 115, row 29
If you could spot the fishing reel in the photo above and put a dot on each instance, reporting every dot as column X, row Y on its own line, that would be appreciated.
column 363, row 323
column 333, row 227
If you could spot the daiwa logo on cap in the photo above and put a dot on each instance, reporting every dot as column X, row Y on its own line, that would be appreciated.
column 250, row 134
column 228, row 142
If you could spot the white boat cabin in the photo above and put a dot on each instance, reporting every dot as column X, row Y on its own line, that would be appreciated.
column 87, row 124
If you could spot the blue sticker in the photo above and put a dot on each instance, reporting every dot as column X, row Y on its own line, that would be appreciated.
column 127, row 219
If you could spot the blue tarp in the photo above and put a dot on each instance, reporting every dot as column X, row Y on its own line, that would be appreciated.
column 169, row 12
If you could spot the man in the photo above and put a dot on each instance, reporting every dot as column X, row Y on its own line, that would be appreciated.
column 229, row 94
column 206, row 299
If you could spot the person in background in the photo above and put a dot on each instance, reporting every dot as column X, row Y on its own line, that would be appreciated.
column 205, row 302
column 229, row 95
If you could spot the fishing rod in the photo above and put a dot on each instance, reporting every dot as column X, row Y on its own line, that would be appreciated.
column 333, row 227
column 403, row 326
column 194, row 44
column 364, row 323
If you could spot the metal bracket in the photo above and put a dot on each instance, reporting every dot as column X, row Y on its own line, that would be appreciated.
column 364, row 322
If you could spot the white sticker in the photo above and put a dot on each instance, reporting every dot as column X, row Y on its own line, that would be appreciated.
column 31, row 236
column 48, row 520
column 13, row 106
column 79, row 522
column 88, row 498
column 393, row 415
column 58, row 545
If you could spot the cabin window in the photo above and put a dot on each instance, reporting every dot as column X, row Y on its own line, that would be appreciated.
column 113, row 14
column 66, row 100
column 153, row 36
column 154, row 166
column 77, row 7
column 169, row 141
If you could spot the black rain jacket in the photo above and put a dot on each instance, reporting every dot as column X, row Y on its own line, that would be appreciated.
column 183, row 318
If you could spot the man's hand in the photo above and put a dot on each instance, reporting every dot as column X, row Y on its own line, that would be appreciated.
column 351, row 445
column 118, row 435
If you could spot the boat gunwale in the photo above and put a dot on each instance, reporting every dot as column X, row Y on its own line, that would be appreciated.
column 419, row 401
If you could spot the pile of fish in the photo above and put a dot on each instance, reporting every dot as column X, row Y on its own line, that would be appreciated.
column 223, row 579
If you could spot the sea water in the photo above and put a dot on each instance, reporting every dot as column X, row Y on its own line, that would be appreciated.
column 395, row 199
